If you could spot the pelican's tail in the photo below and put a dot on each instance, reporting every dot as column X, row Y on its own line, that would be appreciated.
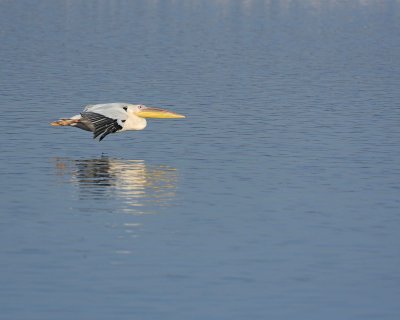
column 64, row 122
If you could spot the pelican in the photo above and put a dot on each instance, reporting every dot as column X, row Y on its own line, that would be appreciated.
column 106, row 118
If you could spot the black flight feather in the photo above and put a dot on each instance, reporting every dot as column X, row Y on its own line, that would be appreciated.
column 99, row 124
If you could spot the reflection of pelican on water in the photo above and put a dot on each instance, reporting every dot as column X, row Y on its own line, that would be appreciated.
column 131, row 182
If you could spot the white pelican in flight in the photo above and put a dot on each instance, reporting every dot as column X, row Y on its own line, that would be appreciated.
column 103, row 119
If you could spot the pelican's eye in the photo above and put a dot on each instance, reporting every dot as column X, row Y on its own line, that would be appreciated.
column 125, row 108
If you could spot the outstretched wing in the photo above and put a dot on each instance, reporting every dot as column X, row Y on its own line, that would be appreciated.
column 100, row 124
column 111, row 110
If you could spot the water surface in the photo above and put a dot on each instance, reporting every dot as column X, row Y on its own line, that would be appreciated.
column 277, row 197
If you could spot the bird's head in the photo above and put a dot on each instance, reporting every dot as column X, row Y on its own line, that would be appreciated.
column 143, row 111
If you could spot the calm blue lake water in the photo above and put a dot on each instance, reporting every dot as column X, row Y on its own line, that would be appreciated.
column 278, row 197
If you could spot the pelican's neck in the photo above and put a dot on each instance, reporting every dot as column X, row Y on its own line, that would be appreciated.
column 134, row 122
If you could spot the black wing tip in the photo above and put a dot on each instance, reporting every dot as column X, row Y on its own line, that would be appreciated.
column 102, row 125
column 101, row 137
